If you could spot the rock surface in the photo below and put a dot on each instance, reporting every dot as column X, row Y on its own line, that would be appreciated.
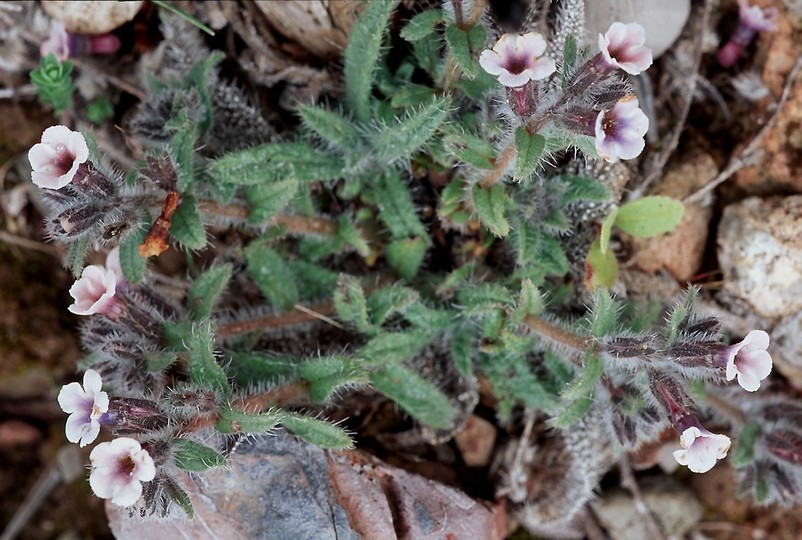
column 279, row 487
column 760, row 252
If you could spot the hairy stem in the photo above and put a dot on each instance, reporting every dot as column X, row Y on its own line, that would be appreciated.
column 299, row 316
column 554, row 333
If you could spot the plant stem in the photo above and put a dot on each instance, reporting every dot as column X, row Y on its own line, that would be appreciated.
column 501, row 164
column 280, row 320
column 556, row 334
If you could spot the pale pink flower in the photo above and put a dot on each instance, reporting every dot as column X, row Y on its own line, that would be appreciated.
column 623, row 47
column 749, row 360
column 57, row 43
column 118, row 469
column 55, row 160
column 755, row 18
column 620, row 131
column 85, row 406
column 701, row 449
column 94, row 291
column 113, row 264
column 63, row 44
column 517, row 59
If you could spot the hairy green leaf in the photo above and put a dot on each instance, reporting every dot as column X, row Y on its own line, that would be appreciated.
column 203, row 367
column 235, row 421
column 601, row 269
column 318, row 432
column 195, row 457
column 406, row 255
column 422, row 25
column 276, row 161
column 466, row 46
column 269, row 199
column 331, row 126
column 529, row 149
column 206, row 289
column 650, row 216
column 272, row 275
column 401, row 138
column 253, row 368
column 490, row 205
column 417, row 396
column 132, row 263
column 186, row 226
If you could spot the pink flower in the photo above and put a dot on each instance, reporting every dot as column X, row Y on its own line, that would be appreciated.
column 94, row 291
column 113, row 264
column 57, row 43
column 55, row 160
column 85, row 406
column 623, row 47
column 756, row 18
column 518, row 59
column 63, row 44
column 118, row 469
column 701, row 449
column 620, row 131
column 749, row 360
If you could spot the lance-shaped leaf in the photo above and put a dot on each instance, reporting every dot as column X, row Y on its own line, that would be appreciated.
column 267, row 200
column 318, row 432
column 195, row 457
column 351, row 304
column 604, row 315
column 206, row 289
column 529, row 149
column 569, row 56
column 203, row 367
column 550, row 255
column 400, row 139
column 396, row 208
column 406, row 255
column 744, row 453
column 132, row 263
column 352, row 235
column 466, row 46
column 470, row 149
column 490, row 204
column 235, row 421
column 580, row 394
column 601, row 269
column 383, row 303
column 252, row 368
column 362, row 53
column 327, row 374
column 462, row 350
column 179, row 495
column 580, row 188
column 417, row 396
column 276, row 161
column 331, row 126
column 198, row 78
column 182, row 152
column 422, row 25
column 272, row 275
column 650, row 216
column 186, row 226
column 392, row 347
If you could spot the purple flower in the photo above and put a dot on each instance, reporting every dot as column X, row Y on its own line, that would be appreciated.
column 517, row 59
column 85, row 406
column 94, row 291
column 701, row 448
column 63, row 44
column 118, row 469
column 623, row 47
column 749, row 360
column 751, row 20
column 620, row 131
column 55, row 160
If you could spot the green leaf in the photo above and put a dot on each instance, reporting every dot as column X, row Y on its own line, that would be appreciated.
column 601, row 269
column 392, row 347
column 529, row 149
column 180, row 496
column 318, row 432
column 466, row 46
column 159, row 361
column 406, row 255
column 313, row 281
column 530, row 302
column 195, row 457
column 744, row 453
column 400, row 139
column 462, row 350
column 351, row 304
column 132, row 263
column 650, row 216
column 327, row 374
column 206, row 289
column 272, row 275
column 490, row 205
column 581, row 392
column 550, row 255
column 252, row 368
column 53, row 82
column 607, row 230
column 422, row 25
column 234, row 421
column 604, row 315
column 412, row 95
column 383, row 303
column 569, row 55
column 203, row 367
column 580, row 188
column 269, row 199
column 471, row 149
column 186, row 226
column 331, row 126
column 351, row 235
column 276, row 161
column 198, row 78
column 362, row 53
column 182, row 152
column 176, row 334
column 396, row 208
column 573, row 413
column 417, row 396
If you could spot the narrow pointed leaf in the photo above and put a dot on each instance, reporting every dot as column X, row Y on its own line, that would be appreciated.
column 186, row 226
column 417, row 396
column 206, row 289
column 491, row 205
column 272, row 275
column 400, row 139
column 422, row 25
column 195, row 457
column 318, row 432
column 529, row 149
column 331, row 126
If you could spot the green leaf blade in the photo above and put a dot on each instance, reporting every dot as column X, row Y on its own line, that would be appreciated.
column 650, row 216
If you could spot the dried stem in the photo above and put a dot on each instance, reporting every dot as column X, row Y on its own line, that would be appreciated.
column 500, row 166
column 280, row 320
column 554, row 333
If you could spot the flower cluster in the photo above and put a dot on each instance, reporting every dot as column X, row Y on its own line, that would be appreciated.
column 617, row 125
